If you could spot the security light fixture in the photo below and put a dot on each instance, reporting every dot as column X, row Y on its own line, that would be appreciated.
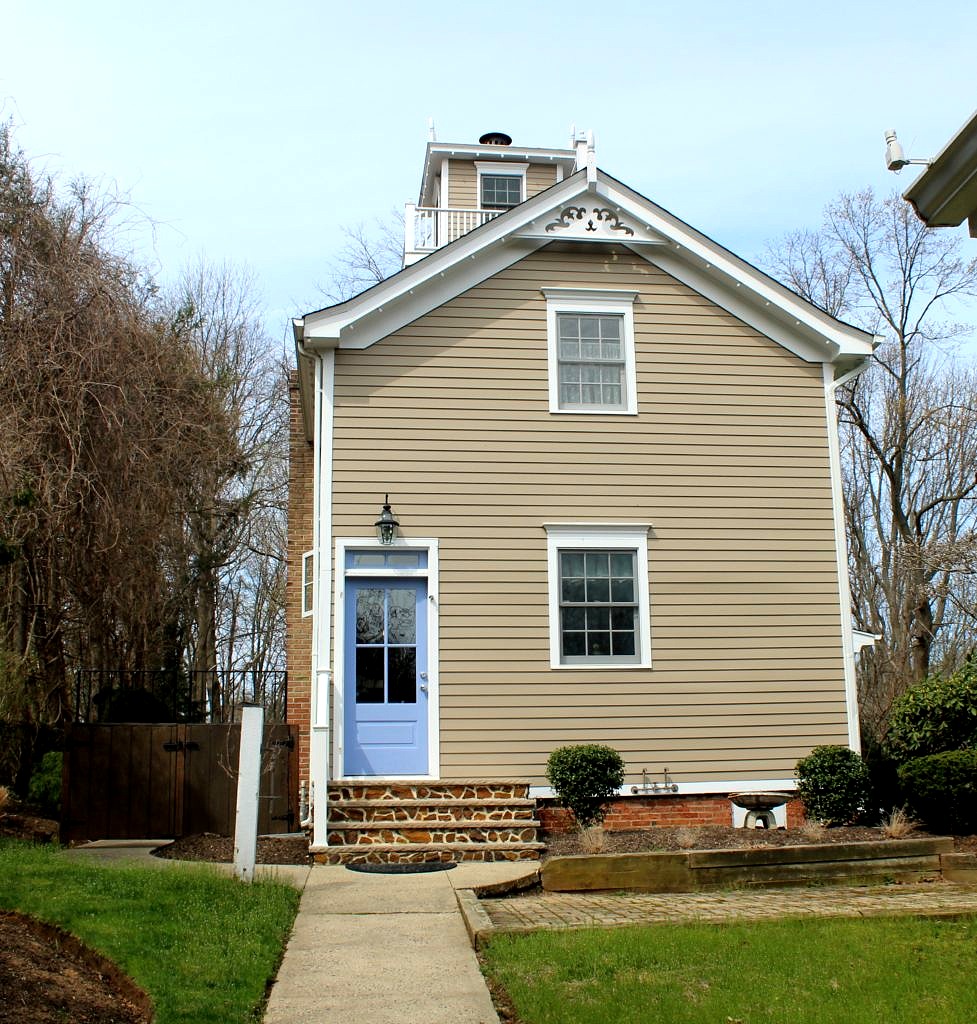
column 895, row 158
column 387, row 523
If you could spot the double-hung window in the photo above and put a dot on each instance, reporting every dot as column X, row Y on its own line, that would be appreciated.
column 590, row 336
column 501, row 185
column 599, row 607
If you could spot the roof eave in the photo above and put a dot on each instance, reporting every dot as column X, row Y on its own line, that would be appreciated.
column 945, row 194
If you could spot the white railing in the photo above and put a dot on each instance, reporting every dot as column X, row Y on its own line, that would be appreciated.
column 427, row 228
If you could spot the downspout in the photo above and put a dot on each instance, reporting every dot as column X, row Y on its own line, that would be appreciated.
column 831, row 386
column 319, row 703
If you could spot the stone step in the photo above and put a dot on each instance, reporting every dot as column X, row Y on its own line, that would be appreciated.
column 385, row 811
column 426, row 832
column 422, row 853
column 392, row 790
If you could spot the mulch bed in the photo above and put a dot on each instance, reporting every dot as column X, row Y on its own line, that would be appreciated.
column 47, row 976
column 721, row 837
column 290, row 849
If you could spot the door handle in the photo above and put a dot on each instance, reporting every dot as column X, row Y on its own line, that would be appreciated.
column 423, row 688
column 423, row 675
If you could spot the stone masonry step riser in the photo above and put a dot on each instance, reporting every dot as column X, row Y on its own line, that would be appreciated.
column 472, row 835
column 419, row 857
column 429, row 791
column 360, row 814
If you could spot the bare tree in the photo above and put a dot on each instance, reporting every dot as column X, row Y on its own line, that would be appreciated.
column 909, row 434
column 370, row 255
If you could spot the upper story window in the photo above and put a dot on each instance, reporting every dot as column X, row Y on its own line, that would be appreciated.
column 501, row 190
column 590, row 336
column 500, row 186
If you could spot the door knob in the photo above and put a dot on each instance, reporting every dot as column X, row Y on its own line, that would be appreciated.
column 423, row 689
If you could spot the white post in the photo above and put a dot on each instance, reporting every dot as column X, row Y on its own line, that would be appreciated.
column 409, row 218
column 248, row 783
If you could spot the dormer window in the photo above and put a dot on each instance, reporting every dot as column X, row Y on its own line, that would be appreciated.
column 500, row 185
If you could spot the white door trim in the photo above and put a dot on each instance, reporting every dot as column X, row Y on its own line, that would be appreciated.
column 430, row 546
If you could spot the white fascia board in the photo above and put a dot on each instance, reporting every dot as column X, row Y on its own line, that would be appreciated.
column 707, row 261
column 440, row 276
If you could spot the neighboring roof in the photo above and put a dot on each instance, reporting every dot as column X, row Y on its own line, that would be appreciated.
column 611, row 212
column 436, row 151
column 945, row 194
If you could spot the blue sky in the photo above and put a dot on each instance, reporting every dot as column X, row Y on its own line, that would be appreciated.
column 252, row 133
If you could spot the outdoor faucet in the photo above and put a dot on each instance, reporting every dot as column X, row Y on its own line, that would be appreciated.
column 655, row 787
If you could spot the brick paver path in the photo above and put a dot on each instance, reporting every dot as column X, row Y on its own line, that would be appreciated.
column 607, row 910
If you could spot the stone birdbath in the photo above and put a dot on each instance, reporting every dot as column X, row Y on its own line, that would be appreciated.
column 759, row 807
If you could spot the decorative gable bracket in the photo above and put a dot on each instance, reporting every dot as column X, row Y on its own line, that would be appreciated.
column 592, row 223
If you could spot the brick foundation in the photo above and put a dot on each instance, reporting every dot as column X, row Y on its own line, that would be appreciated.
column 628, row 812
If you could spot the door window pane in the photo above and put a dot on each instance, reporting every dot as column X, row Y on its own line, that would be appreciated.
column 369, row 675
column 369, row 616
column 402, row 617
column 402, row 677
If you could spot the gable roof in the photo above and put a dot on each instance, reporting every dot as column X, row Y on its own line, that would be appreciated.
column 589, row 206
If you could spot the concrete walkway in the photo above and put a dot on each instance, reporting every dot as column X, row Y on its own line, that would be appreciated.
column 385, row 949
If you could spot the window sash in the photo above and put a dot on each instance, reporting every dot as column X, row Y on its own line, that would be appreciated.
column 501, row 190
column 599, row 606
column 590, row 356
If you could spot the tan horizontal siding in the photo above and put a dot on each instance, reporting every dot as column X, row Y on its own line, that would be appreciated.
column 462, row 185
column 727, row 459
column 539, row 177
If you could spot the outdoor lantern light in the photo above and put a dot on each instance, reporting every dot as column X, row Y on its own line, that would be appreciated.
column 387, row 523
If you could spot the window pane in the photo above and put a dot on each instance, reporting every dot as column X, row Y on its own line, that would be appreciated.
column 574, row 644
column 568, row 326
column 622, row 618
column 590, row 350
column 574, row 618
column 590, row 394
column 611, row 395
column 572, row 563
column 369, row 675
column 599, row 644
column 569, row 349
column 598, row 563
column 570, row 373
column 589, row 327
column 369, row 616
column 610, row 326
column 402, row 686
column 622, row 563
column 406, row 560
column 402, row 616
column 598, row 590
column 573, row 589
column 569, row 395
column 623, row 643
column 622, row 589
column 598, row 618
column 367, row 559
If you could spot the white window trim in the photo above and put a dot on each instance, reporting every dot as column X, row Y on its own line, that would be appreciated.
column 430, row 545
column 484, row 167
column 592, row 300
column 308, row 583
column 583, row 536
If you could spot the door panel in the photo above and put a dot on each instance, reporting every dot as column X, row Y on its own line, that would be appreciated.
column 385, row 699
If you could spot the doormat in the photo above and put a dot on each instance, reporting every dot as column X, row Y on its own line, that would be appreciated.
column 402, row 869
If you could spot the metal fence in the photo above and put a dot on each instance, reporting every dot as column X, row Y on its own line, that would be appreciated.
column 164, row 695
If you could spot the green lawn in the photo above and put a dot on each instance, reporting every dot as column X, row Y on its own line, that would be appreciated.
column 873, row 971
column 202, row 945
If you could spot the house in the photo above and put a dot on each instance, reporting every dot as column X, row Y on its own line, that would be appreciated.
column 945, row 194
column 601, row 451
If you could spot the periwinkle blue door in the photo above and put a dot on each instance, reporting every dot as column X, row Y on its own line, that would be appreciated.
column 386, row 699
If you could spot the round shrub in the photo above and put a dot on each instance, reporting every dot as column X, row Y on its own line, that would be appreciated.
column 834, row 784
column 585, row 779
column 936, row 714
column 941, row 790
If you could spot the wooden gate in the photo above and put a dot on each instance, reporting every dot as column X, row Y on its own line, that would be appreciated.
column 165, row 781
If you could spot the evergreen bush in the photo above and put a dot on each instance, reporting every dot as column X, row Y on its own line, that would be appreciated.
column 937, row 714
column 834, row 784
column 45, row 785
column 585, row 779
column 941, row 790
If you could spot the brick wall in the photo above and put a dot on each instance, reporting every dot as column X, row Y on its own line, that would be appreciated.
column 664, row 811
column 298, row 630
